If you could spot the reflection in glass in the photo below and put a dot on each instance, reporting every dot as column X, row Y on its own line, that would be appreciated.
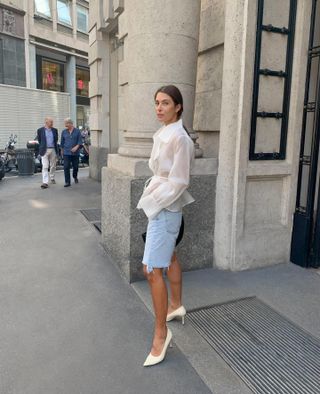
column 83, row 78
column 52, row 76
column 64, row 13
column 82, row 19
column 304, row 186
column 43, row 7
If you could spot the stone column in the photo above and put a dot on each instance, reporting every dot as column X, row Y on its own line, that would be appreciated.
column 74, row 18
column 99, row 62
column 54, row 17
column 32, row 66
column 159, row 51
column 71, row 85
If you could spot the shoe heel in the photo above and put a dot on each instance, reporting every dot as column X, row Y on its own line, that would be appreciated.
column 182, row 319
column 170, row 344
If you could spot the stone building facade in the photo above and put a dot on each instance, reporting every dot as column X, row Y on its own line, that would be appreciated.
column 12, row 46
column 247, row 70
column 44, row 45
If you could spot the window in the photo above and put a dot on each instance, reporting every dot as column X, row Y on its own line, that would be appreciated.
column 83, row 77
column 83, row 113
column 82, row 19
column 52, row 76
column 43, row 7
column 64, row 12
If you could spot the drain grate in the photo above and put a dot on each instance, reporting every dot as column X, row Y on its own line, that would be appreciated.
column 270, row 354
column 93, row 216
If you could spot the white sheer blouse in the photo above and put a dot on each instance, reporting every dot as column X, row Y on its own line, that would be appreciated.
column 171, row 160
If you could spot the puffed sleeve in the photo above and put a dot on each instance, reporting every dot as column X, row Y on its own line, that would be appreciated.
column 178, row 179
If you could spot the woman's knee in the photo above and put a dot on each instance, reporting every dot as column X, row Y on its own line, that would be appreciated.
column 152, row 275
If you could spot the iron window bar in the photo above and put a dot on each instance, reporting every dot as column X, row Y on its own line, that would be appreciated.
column 305, row 160
column 274, row 29
column 265, row 72
column 306, row 236
column 272, row 73
column 314, row 51
column 263, row 114
column 302, row 210
column 310, row 107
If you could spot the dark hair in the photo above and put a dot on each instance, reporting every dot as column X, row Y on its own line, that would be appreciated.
column 174, row 93
column 176, row 96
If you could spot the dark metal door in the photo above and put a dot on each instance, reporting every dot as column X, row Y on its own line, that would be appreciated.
column 305, row 245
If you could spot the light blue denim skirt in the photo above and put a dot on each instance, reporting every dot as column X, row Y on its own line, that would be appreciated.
column 162, row 233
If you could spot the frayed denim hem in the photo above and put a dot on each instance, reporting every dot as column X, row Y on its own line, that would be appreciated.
column 150, row 268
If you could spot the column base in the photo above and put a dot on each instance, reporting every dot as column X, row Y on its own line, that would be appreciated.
column 98, row 159
column 123, row 224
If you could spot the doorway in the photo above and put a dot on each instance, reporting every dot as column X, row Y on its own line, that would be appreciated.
column 305, row 245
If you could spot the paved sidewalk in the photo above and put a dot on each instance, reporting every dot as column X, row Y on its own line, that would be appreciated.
column 292, row 291
column 69, row 323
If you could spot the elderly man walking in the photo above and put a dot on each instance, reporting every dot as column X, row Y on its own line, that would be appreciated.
column 71, row 141
column 48, row 150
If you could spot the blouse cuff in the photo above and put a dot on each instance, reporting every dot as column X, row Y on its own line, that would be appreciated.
column 150, row 206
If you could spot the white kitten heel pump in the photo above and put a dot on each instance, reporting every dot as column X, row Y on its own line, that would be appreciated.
column 153, row 360
column 180, row 312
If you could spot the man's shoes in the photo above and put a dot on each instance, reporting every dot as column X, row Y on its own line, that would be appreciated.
column 67, row 185
column 53, row 181
column 76, row 180
column 44, row 186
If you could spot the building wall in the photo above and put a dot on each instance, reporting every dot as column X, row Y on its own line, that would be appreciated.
column 23, row 43
column 12, row 56
column 104, row 88
column 23, row 110
column 50, row 30
column 254, row 199
column 209, row 76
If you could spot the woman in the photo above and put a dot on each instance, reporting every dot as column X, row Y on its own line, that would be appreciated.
column 162, row 202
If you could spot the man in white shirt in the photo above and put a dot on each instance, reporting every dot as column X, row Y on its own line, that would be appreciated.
column 48, row 150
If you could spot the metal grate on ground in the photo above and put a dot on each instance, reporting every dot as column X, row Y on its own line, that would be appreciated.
column 93, row 216
column 270, row 354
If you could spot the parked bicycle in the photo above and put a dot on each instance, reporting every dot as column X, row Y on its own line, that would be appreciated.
column 2, row 170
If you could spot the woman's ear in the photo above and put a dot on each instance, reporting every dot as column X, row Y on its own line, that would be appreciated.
column 178, row 108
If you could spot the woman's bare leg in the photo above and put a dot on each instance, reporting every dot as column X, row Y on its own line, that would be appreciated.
column 174, row 275
column 159, row 295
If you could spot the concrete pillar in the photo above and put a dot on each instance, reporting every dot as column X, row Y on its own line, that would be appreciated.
column 54, row 17
column 159, row 51
column 71, row 85
column 32, row 67
column 99, row 62
column 74, row 18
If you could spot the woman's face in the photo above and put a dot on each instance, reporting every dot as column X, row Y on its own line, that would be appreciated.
column 167, row 111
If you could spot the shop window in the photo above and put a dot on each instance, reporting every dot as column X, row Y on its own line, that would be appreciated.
column 82, row 19
column 43, row 7
column 52, row 76
column 83, row 77
column 64, row 12
column 83, row 113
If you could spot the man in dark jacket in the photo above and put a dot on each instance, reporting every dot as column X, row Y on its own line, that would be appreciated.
column 48, row 150
column 71, row 141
